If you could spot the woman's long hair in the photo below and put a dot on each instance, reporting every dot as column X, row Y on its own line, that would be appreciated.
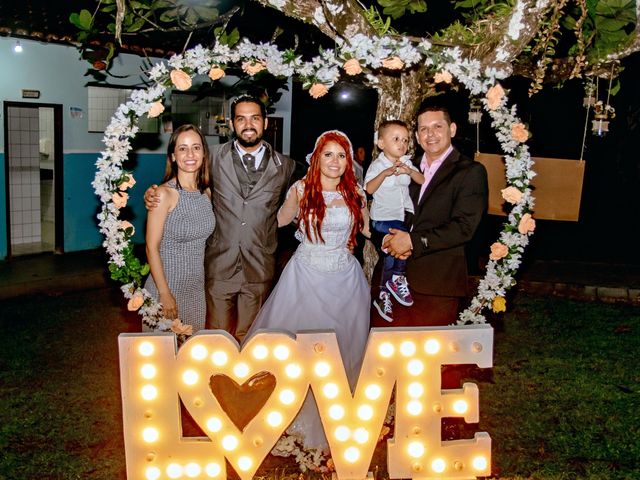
column 171, row 169
column 312, row 206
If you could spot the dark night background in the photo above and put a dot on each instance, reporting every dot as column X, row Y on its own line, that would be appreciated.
column 607, row 230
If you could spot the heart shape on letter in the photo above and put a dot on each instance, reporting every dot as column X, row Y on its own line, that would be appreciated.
column 242, row 402
column 214, row 380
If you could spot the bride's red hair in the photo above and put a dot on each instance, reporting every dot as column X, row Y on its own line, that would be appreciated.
column 312, row 206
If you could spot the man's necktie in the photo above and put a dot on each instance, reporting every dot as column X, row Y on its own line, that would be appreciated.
column 249, row 162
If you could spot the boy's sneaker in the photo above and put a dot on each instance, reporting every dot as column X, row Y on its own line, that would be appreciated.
column 399, row 288
column 384, row 307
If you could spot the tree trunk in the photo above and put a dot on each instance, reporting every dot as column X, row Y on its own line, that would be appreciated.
column 400, row 96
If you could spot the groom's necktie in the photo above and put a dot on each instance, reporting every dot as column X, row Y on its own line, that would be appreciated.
column 249, row 162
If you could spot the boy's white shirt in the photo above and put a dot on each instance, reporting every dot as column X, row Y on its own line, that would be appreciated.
column 391, row 199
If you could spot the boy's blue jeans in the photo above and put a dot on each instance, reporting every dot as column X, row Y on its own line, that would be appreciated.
column 391, row 266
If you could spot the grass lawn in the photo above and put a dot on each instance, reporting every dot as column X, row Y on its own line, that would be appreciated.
column 562, row 401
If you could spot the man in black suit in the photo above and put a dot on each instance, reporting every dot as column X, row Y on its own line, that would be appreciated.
column 448, row 208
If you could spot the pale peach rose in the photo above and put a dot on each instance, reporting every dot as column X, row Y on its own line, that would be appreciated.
column 499, row 304
column 119, row 199
column 352, row 67
column 392, row 63
column 494, row 96
column 155, row 109
column 253, row 67
column 527, row 224
column 498, row 251
column 180, row 328
column 318, row 90
column 443, row 77
column 124, row 224
column 135, row 302
column 519, row 133
column 385, row 430
column 128, row 183
column 216, row 73
column 511, row 195
column 180, row 79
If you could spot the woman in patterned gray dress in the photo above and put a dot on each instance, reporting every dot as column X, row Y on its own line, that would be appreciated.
column 178, row 228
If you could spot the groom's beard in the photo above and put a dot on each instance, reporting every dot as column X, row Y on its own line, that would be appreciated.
column 247, row 140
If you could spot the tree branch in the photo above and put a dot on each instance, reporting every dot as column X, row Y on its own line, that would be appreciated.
column 347, row 18
column 338, row 19
column 508, row 37
column 303, row 10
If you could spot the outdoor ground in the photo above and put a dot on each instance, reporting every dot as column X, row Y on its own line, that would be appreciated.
column 562, row 401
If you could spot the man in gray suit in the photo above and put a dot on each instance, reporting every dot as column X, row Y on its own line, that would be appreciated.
column 249, row 181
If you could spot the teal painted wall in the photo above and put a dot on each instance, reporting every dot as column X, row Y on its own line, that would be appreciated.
column 4, row 248
column 59, row 74
column 81, row 205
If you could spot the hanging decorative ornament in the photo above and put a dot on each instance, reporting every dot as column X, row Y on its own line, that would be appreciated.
column 603, row 111
column 590, row 95
column 600, row 122
column 475, row 112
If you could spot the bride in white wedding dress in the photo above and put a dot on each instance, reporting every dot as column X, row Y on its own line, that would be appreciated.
column 323, row 286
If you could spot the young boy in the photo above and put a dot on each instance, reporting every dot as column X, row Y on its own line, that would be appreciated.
column 388, row 180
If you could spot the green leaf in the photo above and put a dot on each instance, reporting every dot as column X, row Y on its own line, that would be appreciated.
column 137, row 25
column 159, row 4
column 615, row 88
column 191, row 17
column 139, row 5
column 609, row 25
column 169, row 15
column 110, row 53
column 83, row 20
column 418, row 6
column 206, row 13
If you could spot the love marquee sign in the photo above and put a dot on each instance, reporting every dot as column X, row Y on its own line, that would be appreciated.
column 154, row 373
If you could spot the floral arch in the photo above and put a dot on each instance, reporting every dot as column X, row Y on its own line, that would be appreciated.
column 361, row 56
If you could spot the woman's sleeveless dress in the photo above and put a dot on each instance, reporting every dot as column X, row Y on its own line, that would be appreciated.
column 186, row 230
column 322, row 287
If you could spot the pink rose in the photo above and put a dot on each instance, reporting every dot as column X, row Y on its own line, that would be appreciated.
column 155, row 109
column 135, row 302
column 253, row 67
column 352, row 67
column 318, row 90
column 443, row 76
column 216, row 73
column 494, row 96
column 180, row 328
column 393, row 63
column 128, row 183
column 519, row 133
column 498, row 251
column 124, row 225
column 119, row 199
column 527, row 224
column 180, row 79
column 511, row 195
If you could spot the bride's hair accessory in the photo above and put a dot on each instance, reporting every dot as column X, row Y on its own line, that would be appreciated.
column 337, row 132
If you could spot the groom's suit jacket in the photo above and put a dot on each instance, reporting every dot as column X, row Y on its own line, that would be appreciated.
column 445, row 219
column 246, row 226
